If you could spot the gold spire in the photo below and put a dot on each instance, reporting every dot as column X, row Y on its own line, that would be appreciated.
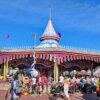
column 49, row 12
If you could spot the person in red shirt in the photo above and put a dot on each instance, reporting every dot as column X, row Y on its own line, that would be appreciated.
column 44, row 81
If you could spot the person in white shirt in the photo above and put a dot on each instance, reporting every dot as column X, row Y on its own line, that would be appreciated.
column 66, row 88
column 33, row 80
column 61, row 79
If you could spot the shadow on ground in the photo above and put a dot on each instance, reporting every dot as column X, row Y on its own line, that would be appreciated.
column 90, row 96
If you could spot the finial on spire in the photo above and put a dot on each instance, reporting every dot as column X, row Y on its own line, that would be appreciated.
column 49, row 11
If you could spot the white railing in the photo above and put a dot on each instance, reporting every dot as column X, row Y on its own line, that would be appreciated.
column 62, row 48
column 81, row 50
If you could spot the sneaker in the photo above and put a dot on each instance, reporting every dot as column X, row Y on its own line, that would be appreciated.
column 33, row 95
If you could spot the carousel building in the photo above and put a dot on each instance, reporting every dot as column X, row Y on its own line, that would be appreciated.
column 51, row 57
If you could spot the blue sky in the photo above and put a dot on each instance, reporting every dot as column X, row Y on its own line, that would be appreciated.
column 78, row 21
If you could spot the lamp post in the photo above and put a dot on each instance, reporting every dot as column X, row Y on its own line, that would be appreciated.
column 34, row 54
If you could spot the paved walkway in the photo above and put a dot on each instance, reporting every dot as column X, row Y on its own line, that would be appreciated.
column 76, row 96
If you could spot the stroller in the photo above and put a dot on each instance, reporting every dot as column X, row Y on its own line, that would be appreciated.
column 88, row 88
column 57, row 90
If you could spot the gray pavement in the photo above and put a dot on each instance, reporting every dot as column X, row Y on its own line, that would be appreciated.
column 75, row 96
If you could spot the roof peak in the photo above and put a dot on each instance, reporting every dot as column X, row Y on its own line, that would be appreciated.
column 49, row 37
column 49, row 30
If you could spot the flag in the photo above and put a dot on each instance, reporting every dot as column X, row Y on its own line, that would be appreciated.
column 7, row 36
column 59, row 34
column 34, row 35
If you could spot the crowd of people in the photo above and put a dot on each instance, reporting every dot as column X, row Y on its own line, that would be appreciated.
column 36, row 86
column 82, row 84
column 25, row 85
